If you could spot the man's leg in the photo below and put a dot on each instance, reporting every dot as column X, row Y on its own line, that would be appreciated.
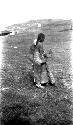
column 50, row 75
column 46, row 76
column 37, row 76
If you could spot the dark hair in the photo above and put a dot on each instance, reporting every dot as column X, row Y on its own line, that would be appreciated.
column 41, row 37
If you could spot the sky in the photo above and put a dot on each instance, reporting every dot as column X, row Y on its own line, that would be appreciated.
column 19, row 11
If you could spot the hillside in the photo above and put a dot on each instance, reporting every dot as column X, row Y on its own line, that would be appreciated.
column 22, row 100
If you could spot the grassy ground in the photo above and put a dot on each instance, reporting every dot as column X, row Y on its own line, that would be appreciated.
column 39, row 106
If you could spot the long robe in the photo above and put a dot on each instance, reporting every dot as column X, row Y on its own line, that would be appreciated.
column 37, row 58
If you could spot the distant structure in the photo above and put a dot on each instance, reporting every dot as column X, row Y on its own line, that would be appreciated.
column 39, row 24
column 4, row 33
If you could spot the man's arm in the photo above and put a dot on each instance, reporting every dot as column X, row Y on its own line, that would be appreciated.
column 31, row 52
column 45, row 56
column 32, row 49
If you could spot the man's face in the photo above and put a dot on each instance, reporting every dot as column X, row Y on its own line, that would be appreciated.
column 41, row 40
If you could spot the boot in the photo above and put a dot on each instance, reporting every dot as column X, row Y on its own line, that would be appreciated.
column 39, row 85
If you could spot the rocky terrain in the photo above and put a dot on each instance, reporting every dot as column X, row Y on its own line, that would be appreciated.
column 24, row 103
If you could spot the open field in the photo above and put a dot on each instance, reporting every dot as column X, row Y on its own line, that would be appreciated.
column 22, row 100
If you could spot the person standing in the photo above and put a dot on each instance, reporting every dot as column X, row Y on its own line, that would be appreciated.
column 39, row 58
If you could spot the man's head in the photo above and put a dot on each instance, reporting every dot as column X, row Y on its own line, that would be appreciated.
column 41, row 37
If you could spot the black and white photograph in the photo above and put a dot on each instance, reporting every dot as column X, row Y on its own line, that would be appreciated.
column 36, row 70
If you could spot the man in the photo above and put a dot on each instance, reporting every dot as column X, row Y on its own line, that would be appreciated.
column 39, row 58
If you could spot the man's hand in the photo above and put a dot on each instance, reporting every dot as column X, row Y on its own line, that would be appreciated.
column 45, row 55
